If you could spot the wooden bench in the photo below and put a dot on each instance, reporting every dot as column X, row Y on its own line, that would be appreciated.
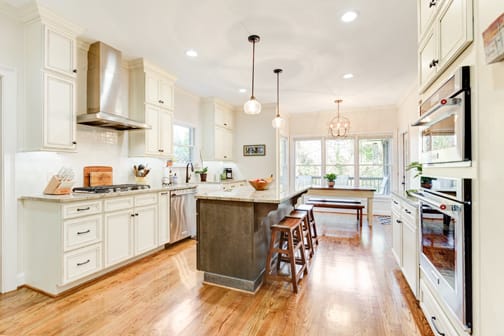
column 332, row 200
column 336, row 204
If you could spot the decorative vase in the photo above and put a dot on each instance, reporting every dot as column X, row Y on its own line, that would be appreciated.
column 203, row 177
column 330, row 184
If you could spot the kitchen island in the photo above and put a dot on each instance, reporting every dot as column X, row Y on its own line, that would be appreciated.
column 233, row 232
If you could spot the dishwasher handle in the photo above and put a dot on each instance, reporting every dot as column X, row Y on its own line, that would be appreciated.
column 183, row 192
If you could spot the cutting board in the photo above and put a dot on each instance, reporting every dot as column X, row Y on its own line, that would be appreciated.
column 95, row 169
column 100, row 179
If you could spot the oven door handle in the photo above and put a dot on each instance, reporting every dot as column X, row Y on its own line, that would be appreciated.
column 442, row 103
column 428, row 201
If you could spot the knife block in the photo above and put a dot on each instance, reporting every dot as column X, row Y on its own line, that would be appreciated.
column 58, row 187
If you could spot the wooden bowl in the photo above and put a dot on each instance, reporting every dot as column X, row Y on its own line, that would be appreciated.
column 260, row 184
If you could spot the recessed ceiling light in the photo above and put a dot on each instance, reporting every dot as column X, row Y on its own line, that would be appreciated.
column 348, row 76
column 349, row 16
column 243, row 90
column 191, row 53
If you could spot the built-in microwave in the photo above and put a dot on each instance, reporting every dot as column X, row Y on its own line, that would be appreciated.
column 445, row 123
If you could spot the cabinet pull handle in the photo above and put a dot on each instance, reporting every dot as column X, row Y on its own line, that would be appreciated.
column 433, row 63
column 407, row 211
column 74, row 142
column 83, row 209
column 83, row 232
column 84, row 263
column 396, row 203
column 136, row 214
column 164, row 193
column 225, row 156
column 225, row 124
column 160, row 102
column 398, row 221
column 432, row 3
column 74, row 70
column 433, row 319
column 132, row 215
column 160, row 150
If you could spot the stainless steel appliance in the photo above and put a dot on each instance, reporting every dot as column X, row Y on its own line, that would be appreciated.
column 445, row 121
column 182, row 214
column 103, row 84
column 445, row 220
column 110, row 188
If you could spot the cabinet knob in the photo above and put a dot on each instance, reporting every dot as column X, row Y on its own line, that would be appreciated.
column 225, row 156
column 225, row 124
column 433, row 63
column 132, row 215
column 160, row 102
column 74, row 142
column 74, row 70
column 432, row 3
column 398, row 221
column 160, row 150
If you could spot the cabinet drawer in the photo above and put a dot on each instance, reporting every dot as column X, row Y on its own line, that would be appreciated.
column 78, row 209
column 145, row 199
column 81, row 262
column 82, row 231
column 396, row 205
column 409, row 214
column 438, row 321
column 118, row 203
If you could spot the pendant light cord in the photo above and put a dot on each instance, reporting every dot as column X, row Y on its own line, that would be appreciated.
column 278, row 95
column 253, row 68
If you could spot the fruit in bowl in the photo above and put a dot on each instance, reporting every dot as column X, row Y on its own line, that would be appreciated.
column 261, row 183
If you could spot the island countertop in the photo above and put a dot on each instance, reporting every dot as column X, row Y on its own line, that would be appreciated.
column 249, row 194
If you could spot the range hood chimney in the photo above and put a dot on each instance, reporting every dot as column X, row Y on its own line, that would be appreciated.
column 103, row 84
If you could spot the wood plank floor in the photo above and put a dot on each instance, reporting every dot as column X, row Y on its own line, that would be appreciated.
column 353, row 288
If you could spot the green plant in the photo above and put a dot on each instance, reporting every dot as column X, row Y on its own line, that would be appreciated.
column 330, row 177
column 419, row 170
column 204, row 170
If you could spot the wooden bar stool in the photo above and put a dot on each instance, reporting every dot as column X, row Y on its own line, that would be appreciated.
column 311, row 219
column 290, row 228
column 305, row 224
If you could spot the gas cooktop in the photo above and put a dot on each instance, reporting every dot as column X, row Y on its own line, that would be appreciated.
column 111, row 188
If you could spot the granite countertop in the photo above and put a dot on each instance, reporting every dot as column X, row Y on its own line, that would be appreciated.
column 75, row 197
column 411, row 200
column 249, row 194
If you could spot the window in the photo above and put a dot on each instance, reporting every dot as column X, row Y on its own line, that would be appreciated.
column 183, row 143
column 357, row 161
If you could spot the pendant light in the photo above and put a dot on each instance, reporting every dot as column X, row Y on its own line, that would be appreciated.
column 278, row 121
column 339, row 126
column 252, row 106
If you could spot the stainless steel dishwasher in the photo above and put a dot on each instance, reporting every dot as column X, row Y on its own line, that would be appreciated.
column 182, row 214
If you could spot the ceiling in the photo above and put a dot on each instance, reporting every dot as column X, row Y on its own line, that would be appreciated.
column 306, row 39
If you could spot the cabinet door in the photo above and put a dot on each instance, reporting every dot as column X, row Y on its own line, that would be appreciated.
column 166, row 94
column 428, row 60
column 152, row 135
column 59, row 113
column 165, row 132
column 397, row 237
column 151, row 89
column 146, row 223
column 60, row 52
column 223, row 144
column 118, row 236
column 455, row 29
column 426, row 12
column 409, row 255
column 223, row 117
column 164, row 218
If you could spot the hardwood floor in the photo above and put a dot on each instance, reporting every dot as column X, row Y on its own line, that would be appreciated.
column 353, row 288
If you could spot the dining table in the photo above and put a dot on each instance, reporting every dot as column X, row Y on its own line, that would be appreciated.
column 347, row 192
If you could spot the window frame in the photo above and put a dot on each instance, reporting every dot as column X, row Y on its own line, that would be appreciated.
column 192, row 146
column 356, row 138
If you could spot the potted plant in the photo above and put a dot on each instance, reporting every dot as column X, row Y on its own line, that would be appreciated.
column 202, row 173
column 425, row 181
column 330, row 177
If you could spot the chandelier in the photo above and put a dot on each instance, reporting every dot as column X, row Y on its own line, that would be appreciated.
column 339, row 126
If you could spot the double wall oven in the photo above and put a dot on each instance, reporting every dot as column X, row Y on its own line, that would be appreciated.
column 445, row 221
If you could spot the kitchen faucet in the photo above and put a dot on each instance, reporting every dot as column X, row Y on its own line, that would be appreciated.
column 187, row 175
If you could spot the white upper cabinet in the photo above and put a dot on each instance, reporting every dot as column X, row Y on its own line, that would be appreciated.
column 50, row 71
column 218, row 135
column 444, row 33
column 151, row 100
column 60, row 52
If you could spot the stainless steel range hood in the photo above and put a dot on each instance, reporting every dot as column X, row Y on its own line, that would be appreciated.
column 103, row 84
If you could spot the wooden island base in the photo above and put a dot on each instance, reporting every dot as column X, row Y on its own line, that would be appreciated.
column 233, row 238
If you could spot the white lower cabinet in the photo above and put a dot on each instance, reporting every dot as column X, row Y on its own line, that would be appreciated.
column 433, row 312
column 163, row 217
column 69, row 243
column 405, row 241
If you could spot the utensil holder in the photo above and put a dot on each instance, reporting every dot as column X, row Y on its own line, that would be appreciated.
column 141, row 179
column 58, row 187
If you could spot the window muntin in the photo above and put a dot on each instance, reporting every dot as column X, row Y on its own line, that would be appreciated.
column 183, row 143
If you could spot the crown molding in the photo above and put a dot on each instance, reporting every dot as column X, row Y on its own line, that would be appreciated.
column 34, row 12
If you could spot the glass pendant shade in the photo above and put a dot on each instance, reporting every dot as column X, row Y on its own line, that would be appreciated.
column 278, row 122
column 339, row 126
column 252, row 106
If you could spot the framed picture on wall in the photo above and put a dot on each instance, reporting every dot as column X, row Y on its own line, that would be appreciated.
column 254, row 150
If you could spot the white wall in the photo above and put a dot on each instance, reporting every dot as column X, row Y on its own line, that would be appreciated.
column 254, row 130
